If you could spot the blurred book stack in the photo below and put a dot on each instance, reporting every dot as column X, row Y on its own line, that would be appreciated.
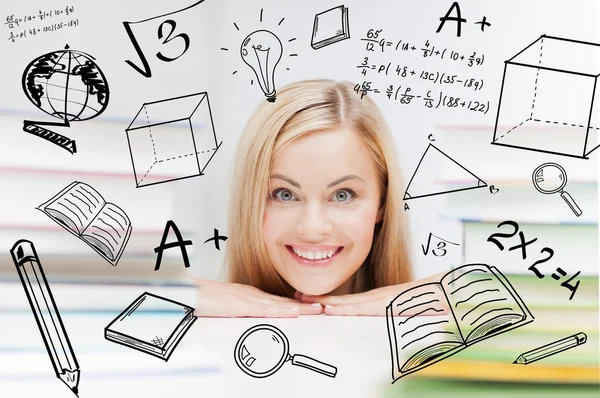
column 556, row 243
column 43, row 173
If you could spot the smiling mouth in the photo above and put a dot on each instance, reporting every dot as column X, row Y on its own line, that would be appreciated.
column 314, row 258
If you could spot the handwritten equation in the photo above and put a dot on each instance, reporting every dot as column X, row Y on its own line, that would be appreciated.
column 405, row 87
column 435, row 77
column 569, row 284
column 25, row 26
column 430, row 99
column 375, row 43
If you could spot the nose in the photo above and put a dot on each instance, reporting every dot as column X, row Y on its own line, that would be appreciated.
column 314, row 222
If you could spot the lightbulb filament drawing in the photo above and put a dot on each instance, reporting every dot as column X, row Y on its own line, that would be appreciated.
column 261, row 51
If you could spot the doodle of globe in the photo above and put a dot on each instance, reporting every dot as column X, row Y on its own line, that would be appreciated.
column 67, row 85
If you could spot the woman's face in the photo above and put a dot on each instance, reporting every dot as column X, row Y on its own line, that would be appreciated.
column 319, row 221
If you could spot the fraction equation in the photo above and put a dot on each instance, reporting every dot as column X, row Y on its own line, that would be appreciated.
column 376, row 43
column 404, row 95
column 32, row 25
column 435, row 77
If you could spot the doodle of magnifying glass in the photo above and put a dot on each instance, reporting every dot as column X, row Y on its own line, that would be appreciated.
column 263, row 349
column 550, row 178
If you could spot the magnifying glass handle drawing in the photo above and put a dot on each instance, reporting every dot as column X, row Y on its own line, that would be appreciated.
column 314, row 365
column 571, row 203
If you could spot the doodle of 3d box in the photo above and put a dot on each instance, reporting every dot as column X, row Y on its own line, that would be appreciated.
column 172, row 139
column 549, row 98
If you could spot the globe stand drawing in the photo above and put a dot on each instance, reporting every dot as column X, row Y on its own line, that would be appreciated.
column 67, row 85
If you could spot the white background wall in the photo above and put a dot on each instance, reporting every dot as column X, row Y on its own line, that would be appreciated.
column 198, row 205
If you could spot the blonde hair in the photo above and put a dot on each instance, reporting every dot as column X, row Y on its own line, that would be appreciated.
column 300, row 108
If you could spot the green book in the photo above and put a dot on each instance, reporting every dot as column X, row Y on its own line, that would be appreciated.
column 428, row 388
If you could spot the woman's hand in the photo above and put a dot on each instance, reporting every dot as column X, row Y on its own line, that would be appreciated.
column 230, row 300
column 371, row 303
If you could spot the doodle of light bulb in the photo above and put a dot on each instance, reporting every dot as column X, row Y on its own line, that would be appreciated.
column 261, row 50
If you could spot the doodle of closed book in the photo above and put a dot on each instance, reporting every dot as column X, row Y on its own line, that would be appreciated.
column 482, row 304
column 139, row 328
column 330, row 26
column 81, row 210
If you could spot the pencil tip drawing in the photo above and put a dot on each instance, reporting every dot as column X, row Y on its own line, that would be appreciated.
column 423, row 181
column 263, row 349
column 67, row 85
column 172, row 139
column 137, row 328
column 46, row 313
column 482, row 304
column 82, row 211
column 330, row 26
column 551, row 349
column 549, row 98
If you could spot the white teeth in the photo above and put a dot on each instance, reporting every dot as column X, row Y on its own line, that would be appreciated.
column 314, row 255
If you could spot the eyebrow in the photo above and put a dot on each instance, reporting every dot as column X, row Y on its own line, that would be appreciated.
column 334, row 183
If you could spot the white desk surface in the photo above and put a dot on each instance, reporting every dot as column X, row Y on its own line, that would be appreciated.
column 357, row 346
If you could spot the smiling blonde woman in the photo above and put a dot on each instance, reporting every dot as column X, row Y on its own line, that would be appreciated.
column 316, row 216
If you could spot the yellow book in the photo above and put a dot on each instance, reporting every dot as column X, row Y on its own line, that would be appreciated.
column 578, row 365
column 509, row 372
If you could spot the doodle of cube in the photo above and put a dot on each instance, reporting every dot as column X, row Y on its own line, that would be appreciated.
column 172, row 139
column 549, row 98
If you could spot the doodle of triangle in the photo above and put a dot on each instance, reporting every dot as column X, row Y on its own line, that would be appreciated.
column 423, row 182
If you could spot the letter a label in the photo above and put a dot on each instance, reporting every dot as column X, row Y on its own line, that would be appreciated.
column 179, row 243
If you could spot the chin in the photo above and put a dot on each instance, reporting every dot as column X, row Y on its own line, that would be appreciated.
column 315, row 289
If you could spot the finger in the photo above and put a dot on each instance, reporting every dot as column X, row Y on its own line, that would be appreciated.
column 359, row 309
column 311, row 309
column 217, row 299
column 280, row 299
column 298, row 296
column 222, row 307
column 208, row 309
column 263, row 311
column 338, row 300
column 219, row 303
column 285, row 310
column 303, row 308
column 267, row 300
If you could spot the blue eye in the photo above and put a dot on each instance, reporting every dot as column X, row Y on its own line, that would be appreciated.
column 285, row 195
column 344, row 195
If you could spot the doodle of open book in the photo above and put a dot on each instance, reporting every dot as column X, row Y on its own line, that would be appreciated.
column 81, row 210
column 482, row 304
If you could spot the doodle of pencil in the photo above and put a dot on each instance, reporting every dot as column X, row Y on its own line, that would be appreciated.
column 551, row 348
column 46, row 313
